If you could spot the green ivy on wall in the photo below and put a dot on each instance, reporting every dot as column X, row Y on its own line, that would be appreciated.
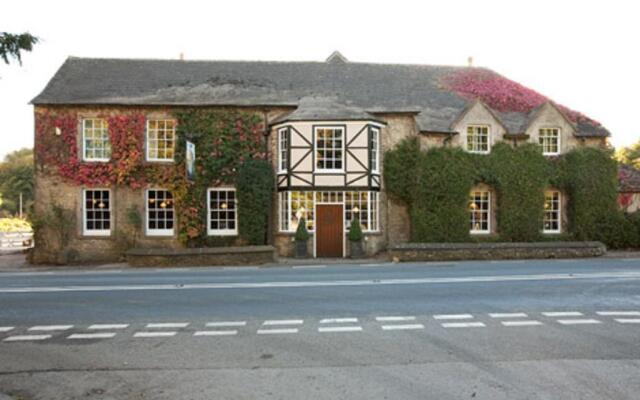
column 435, row 184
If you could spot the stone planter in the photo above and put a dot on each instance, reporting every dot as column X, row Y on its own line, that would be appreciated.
column 301, row 249
column 356, row 250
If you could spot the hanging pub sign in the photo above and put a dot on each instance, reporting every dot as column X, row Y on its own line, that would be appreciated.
column 191, row 161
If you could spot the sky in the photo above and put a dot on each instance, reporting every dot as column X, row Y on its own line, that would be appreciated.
column 583, row 54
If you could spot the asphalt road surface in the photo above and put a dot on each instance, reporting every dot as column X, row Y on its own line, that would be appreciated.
column 565, row 329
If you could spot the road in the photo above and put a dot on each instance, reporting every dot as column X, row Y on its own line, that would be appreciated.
column 481, row 330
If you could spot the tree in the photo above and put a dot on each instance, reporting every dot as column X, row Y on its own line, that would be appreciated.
column 629, row 155
column 17, row 176
column 11, row 45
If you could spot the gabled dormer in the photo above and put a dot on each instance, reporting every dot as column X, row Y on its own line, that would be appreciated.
column 478, row 128
column 550, row 127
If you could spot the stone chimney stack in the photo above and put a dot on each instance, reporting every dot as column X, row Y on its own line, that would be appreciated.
column 470, row 61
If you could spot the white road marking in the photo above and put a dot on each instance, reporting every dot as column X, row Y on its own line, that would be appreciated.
column 109, row 326
column 402, row 327
column 633, row 275
column 508, row 315
column 6, row 328
column 100, row 335
column 619, row 313
column 395, row 319
column 22, row 338
column 578, row 321
column 277, row 331
column 215, row 333
column 168, row 325
column 373, row 265
column 50, row 327
column 453, row 316
column 308, row 266
column 562, row 314
column 338, row 320
column 240, row 268
column 153, row 334
column 283, row 322
column 328, row 329
column 225, row 324
column 463, row 325
column 521, row 323
column 628, row 320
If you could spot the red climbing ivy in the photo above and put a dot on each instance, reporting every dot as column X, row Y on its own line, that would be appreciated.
column 502, row 94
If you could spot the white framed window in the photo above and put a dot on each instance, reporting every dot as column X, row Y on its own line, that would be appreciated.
column 283, row 149
column 222, row 212
column 551, row 222
column 96, row 145
column 550, row 141
column 329, row 148
column 161, row 139
column 478, row 139
column 295, row 205
column 480, row 211
column 96, row 214
column 374, row 149
column 160, row 212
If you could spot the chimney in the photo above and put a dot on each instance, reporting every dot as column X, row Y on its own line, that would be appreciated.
column 470, row 61
column 181, row 56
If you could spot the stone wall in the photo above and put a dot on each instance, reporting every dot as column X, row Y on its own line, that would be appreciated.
column 241, row 255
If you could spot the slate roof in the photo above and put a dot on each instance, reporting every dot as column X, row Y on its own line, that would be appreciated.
column 357, row 88
column 628, row 178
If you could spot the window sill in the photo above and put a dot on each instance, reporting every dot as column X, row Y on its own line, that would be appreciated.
column 222, row 233
column 328, row 171
column 479, row 232
column 96, row 160
column 160, row 234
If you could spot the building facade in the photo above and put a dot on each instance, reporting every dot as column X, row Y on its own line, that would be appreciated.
column 323, row 126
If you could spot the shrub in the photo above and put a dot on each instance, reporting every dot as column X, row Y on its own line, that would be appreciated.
column 302, row 234
column 355, row 231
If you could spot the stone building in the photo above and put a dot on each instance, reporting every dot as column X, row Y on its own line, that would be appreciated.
column 326, row 127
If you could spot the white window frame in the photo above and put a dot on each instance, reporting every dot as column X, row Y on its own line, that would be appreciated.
column 157, row 232
column 283, row 160
column 342, row 148
column 542, row 138
column 374, row 154
column 222, row 232
column 559, row 211
column 488, row 211
column 84, row 140
column 147, row 141
column 474, row 127
column 96, row 232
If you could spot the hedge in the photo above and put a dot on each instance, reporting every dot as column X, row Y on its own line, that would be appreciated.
column 435, row 184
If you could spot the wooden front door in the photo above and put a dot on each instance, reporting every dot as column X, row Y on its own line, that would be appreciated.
column 329, row 230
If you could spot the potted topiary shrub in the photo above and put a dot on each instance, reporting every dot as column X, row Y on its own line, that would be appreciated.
column 355, row 239
column 301, row 238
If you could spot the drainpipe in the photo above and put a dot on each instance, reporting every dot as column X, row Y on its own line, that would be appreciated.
column 274, row 198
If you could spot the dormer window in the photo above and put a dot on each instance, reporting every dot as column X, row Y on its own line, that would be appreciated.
column 329, row 148
column 550, row 141
column 478, row 139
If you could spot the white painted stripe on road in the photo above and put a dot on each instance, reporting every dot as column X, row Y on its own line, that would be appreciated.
column 463, row 325
column 562, row 314
column 277, row 331
column 395, row 319
column 628, row 320
column 508, row 315
column 215, row 333
column 453, row 316
column 109, row 326
column 153, row 334
column 402, row 327
column 50, row 327
column 100, row 335
column 225, row 324
column 329, row 329
column 309, row 266
column 24, row 338
column 283, row 322
column 578, row 321
column 619, row 313
column 6, row 328
column 301, row 284
column 240, row 268
column 521, row 323
column 338, row 320
column 165, row 325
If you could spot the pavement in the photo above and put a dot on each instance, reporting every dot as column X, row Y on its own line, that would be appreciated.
column 535, row 329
